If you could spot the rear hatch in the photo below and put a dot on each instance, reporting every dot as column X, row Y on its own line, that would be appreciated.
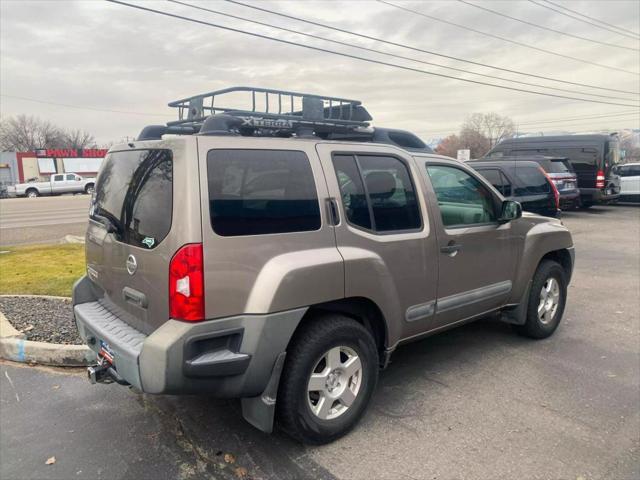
column 561, row 173
column 129, row 240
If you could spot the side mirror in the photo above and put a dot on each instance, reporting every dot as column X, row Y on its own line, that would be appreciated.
column 510, row 211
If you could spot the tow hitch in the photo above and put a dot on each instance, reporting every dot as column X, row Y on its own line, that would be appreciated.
column 103, row 372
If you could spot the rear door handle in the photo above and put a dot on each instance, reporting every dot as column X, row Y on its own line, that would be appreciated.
column 332, row 210
column 451, row 249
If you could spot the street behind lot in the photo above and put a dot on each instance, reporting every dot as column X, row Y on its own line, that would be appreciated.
column 476, row 402
column 42, row 219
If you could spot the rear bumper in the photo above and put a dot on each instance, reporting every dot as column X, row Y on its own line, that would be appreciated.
column 599, row 195
column 229, row 357
column 569, row 199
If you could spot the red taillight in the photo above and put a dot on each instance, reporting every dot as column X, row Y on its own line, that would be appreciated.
column 600, row 179
column 554, row 189
column 186, row 284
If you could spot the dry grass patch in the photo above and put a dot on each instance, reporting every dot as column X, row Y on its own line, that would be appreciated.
column 41, row 269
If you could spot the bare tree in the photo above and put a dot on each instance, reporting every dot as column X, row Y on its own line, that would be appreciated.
column 449, row 146
column 79, row 139
column 474, row 141
column 25, row 133
column 493, row 127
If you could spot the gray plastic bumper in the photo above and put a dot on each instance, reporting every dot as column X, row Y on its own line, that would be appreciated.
column 228, row 357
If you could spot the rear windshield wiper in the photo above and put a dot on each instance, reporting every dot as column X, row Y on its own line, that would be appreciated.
column 109, row 220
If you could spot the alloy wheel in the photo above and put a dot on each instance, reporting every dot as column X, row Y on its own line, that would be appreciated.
column 334, row 383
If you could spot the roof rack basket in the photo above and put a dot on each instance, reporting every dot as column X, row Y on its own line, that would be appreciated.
column 273, row 110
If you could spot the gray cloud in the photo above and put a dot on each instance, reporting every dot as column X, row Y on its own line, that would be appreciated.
column 106, row 56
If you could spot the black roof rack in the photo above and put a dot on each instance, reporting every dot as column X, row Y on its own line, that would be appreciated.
column 282, row 113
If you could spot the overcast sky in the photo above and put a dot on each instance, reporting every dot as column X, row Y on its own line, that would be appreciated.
column 105, row 56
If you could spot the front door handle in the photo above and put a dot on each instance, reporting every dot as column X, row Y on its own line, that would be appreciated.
column 451, row 249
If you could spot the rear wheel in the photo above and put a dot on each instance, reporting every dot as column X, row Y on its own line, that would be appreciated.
column 330, row 373
column 547, row 299
column 32, row 193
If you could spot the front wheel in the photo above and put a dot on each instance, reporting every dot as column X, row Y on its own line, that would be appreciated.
column 89, row 189
column 547, row 299
column 330, row 373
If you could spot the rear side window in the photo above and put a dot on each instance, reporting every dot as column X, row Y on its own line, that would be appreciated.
column 377, row 193
column 497, row 179
column 531, row 181
column 134, row 193
column 259, row 192
column 556, row 166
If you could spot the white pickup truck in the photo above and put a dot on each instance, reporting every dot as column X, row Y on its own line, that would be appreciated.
column 57, row 185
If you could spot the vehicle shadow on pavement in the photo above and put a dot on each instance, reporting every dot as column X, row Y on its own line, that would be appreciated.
column 209, row 429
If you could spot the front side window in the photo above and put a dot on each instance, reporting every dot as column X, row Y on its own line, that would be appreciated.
column 463, row 199
column 259, row 192
column 134, row 193
column 71, row 176
column 377, row 193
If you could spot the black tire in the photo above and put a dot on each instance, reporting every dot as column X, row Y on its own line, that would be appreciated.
column 89, row 189
column 32, row 193
column 308, row 347
column 534, row 327
column 586, row 205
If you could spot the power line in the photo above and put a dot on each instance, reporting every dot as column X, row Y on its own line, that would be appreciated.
column 81, row 107
column 587, row 120
column 409, row 47
column 584, row 21
column 592, row 117
column 532, row 24
column 594, row 19
column 521, row 44
column 348, row 55
column 557, row 120
column 381, row 52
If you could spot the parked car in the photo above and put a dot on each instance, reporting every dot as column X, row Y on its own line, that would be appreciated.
column 285, row 269
column 629, row 181
column 592, row 157
column 561, row 173
column 523, row 181
column 57, row 185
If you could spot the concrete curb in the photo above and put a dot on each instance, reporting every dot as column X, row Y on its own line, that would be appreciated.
column 15, row 347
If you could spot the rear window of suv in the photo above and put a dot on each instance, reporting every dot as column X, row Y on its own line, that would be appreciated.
column 134, row 193
column 260, row 192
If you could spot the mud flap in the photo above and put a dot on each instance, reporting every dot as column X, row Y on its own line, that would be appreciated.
column 260, row 411
column 517, row 314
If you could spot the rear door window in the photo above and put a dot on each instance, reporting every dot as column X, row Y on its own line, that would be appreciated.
column 377, row 193
column 260, row 192
column 134, row 192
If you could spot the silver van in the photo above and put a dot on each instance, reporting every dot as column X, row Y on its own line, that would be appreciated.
column 281, row 258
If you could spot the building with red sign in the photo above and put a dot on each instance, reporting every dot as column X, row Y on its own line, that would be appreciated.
column 41, row 164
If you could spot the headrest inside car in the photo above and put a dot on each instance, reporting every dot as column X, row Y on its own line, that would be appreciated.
column 381, row 185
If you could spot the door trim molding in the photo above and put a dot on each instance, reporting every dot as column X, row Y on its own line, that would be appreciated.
column 470, row 297
column 420, row 311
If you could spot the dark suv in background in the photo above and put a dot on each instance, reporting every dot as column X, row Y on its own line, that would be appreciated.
column 525, row 182
column 560, row 172
column 591, row 156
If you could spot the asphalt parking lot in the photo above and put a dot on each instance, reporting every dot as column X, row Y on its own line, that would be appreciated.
column 477, row 402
